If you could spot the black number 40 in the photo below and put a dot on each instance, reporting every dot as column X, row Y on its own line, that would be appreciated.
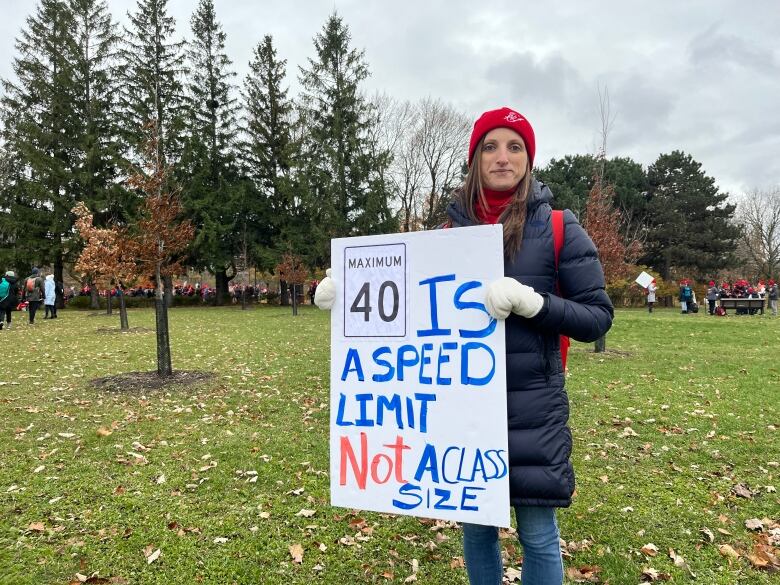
column 362, row 302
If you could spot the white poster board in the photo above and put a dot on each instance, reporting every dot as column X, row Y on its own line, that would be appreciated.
column 644, row 279
column 418, row 377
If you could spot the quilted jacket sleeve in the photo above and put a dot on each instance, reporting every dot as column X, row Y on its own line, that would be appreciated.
column 585, row 312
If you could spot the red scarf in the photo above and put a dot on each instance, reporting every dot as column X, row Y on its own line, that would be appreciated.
column 497, row 202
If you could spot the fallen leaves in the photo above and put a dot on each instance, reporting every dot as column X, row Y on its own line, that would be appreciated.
column 649, row 549
column 296, row 552
column 743, row 491
column 151, row 554
column 649, row 574
column 727, row 550
column 584, row 574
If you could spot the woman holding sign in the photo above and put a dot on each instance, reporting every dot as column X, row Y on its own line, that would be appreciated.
column 547, row 291
column 540, row 302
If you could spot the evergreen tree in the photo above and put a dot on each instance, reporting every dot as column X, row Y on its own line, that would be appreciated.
column 212, row 196
column 99, row 148
column 689, row 222
column 152, row 67
column 40, row 131
column 269, row 154
column 572, row 178
column 341, row 168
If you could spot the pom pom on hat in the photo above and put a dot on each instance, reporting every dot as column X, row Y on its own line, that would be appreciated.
column 503, row 118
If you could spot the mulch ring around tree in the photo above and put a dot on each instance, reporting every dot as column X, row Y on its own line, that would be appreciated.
column 118, row 330
column 135, row 381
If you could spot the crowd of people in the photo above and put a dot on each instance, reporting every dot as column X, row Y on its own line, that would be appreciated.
column 29, row 294
column 738, row 289
column 742, row 289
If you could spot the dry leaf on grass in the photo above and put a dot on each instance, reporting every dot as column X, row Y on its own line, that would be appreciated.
column 584, row 574
column 708, row 533
column 728, row 551
column 754, row 524
column 649, row 574
column 512, row 575
column 296, row 552
column 36, row 527
column 649, row 549
column 306, row 513
column 152, row 556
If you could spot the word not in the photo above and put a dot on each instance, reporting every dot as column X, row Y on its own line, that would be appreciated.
column 393, row 466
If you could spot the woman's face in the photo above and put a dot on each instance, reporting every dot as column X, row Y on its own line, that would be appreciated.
column 503, row 161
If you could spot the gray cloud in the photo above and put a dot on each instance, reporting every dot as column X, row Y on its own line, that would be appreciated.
column 701, row 76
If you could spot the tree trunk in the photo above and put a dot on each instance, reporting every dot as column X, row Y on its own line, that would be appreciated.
column 284, row 298
column 601, row 344
column 109, row 304
column 243, row 298
column 58, row 277
column 294, row 301
column 124, row 326
column 94, row 297
column 168, row 288
column 164, row 367
column 221, row 284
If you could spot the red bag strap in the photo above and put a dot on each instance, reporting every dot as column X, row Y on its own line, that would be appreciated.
column 558, row 235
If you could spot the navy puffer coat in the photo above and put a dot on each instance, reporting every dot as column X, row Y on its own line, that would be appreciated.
column 540, row 442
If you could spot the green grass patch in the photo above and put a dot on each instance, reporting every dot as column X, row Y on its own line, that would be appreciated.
column 678, row 418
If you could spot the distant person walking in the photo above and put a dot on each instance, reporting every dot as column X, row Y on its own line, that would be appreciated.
column 651, row 288
column 50, row 298
column 771, row 293
column 9, row 298
column 686, row 296
column 712, row 296
column 34, row 293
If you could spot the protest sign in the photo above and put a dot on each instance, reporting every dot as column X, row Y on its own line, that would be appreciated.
column 418, row 379
column 644, row 279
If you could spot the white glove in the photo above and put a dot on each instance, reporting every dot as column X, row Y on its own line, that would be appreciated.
column 325, row 293
column 506, row 295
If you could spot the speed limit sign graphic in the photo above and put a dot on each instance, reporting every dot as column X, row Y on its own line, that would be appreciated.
column 375, row 285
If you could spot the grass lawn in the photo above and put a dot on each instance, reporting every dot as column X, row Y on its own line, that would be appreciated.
column 676, row 445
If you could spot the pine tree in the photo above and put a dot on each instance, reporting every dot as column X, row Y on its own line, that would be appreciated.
column 40, row 130
column 151, row 69
column 212, row 195
column 690, row 223
column 277, row 223
column 341, row 168
column 96, row 106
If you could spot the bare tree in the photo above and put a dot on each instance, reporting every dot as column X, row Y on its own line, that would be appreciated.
column 442, row 139
column 759, row 214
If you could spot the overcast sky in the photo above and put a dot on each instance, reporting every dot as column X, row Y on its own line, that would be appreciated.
column 700, row 76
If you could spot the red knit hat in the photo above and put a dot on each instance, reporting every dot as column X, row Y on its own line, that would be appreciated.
column 503, row 118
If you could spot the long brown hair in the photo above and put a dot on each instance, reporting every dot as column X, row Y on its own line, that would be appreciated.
column 513, row 216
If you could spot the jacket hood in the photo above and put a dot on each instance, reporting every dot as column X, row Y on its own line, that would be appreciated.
column 539, row 193
column 49, row 277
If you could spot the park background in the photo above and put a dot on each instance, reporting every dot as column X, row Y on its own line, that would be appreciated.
column 656, row 126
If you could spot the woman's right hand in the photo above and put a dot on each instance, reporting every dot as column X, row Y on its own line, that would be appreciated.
column 325, row 294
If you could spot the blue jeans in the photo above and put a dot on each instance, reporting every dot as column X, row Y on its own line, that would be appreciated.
column 537, row 530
